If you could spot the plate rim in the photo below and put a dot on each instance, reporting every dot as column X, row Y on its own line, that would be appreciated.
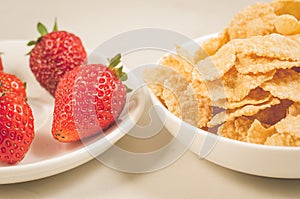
column 10, row 174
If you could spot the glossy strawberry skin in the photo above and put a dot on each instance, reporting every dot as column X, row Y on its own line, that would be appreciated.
column 16, row 128
column 11, row 83
column 55, row 54
column 88, row 100
column 1, row 65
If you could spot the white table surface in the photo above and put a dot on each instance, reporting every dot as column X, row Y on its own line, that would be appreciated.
column 95, row 22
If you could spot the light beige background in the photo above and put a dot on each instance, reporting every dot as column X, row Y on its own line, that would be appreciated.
column 96, row 21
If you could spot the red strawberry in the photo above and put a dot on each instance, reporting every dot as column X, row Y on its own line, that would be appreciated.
column 1, row 66
column 53, row 55
column 88, row 100
column 11, row 83
column 16, row 128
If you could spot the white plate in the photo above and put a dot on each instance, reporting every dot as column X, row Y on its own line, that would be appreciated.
column 260, row 160
column 47, row 156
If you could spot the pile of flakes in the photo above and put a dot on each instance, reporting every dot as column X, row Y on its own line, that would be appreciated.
column 245, row 82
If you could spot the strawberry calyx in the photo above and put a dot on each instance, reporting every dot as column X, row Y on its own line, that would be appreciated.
column 43, row 31
column 118, row 71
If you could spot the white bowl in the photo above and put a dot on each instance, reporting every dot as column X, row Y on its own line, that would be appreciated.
column 255, row 159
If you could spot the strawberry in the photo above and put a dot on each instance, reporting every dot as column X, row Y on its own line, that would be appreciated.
column 88, row 100
column 53, row 55
column 1, row 66
column 16, row 127
column 11, row 83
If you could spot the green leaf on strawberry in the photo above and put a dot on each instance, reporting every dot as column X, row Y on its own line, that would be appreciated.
column 42, row 29
column 55, row 27
column 118, row 71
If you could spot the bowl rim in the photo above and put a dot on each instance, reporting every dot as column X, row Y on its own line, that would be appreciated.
column 202, row 132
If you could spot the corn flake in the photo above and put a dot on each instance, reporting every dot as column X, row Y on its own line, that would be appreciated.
column 295, row 38
column 284, row 85
column 184, row 68
column 257, row 19
column 258, row 133
column 291, row 7
column 155, row 78
column 248, row 110
column 287, row 25
column 177, row 63
column 181, row 100
column 273, row 114
column 204, row 110
column 294, row 109
column 216, row 66
column 271, row 46
column 283, row 139
column 254, row 64
column 235, row 129
column 237, row 85
column 211, row 46
column 200, row 88
column 289, row 124
column 256, row 96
